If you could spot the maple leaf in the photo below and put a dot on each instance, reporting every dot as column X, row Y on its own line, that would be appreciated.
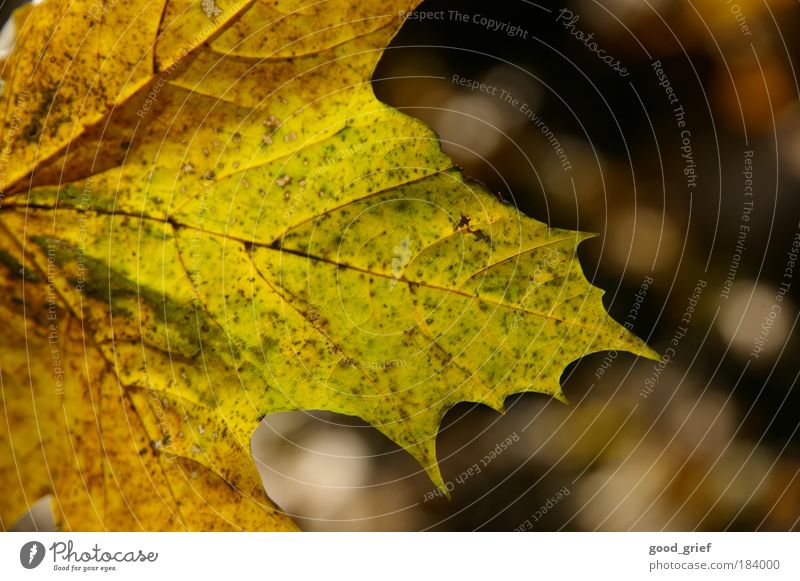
column 208, row 218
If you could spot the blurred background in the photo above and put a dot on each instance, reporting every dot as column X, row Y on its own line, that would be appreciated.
column 673, row 132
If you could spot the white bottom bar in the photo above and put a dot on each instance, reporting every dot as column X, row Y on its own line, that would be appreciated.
column 618, row 556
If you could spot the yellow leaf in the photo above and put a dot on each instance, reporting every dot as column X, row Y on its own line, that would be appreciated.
column 209, row 218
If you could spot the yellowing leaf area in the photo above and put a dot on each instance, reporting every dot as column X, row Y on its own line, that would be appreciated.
column 208, row 217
